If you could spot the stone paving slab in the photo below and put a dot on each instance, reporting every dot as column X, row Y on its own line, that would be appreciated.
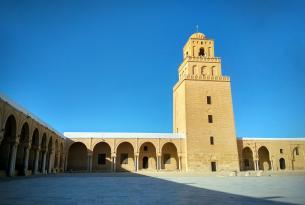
column 146, row 188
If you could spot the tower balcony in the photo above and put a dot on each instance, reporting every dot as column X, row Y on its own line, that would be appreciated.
column 203, row 59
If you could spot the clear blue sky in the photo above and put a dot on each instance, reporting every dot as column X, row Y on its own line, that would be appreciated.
column 110, row 66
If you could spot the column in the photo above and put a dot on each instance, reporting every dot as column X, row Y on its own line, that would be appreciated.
column 66, row 162
column 257, row 165
column 51, row 161
column 114, row 163
column 62, row 162
column 136, row 163
column 180, row 166
column 13, row 152
column 89, row 162
column 157, row 165
column 36, row 160
column 112, row 167
column 272, row 165
column 26, row 160
column 44, row 159
column 160, row 162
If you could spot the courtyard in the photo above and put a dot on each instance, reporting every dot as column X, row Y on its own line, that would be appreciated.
column 151, row 188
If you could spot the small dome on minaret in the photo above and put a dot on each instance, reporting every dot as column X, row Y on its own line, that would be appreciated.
column 198, row 35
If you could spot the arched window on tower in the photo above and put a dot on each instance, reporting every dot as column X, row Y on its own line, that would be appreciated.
column 193, row 70
column 213, row 71
column 201, row 52
column 203, row 70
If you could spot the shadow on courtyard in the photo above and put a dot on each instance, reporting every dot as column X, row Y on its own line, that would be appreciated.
column 115, row 188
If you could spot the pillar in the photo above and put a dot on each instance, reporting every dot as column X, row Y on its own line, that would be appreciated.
column 157, row 165
column 51, row 161
column 272, row 167
column 66, row 162
column 62, row 162
column 58, row 161
column 114, row 163
column 160, row 162
column 136, row 162
column 89, row 163
column 180, row 165
column 12, row 162
column 44, row 159
column 36, row 160
column 257, row 165
column 26, row 160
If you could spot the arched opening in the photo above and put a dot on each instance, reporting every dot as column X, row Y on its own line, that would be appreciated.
column 169, row 157
column 297, row 159
column 201, row 52
column 6, row 146
column 145, row 163
column 194, row 70
column 33, row 150
column 101, row 159
column 213, row 71
column 125, row 157
column 147, row 151
column 77, row 157
column 263, row 159
column 282, row 164
column 21, row 151
column 204, row 70
column 247, row 156
column 43, row 148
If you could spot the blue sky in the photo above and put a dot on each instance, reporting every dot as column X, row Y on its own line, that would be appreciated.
column 110, row 66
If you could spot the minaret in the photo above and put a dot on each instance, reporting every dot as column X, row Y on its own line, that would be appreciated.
column 203, row 108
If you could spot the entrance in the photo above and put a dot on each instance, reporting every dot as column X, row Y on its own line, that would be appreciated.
column 145, row 162
column 282, row 163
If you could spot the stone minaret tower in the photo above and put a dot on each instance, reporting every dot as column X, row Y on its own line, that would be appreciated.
column 203, row 108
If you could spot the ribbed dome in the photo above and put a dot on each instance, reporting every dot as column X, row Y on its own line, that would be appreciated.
column 198, row 35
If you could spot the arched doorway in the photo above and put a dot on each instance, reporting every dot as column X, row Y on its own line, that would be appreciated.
column 147, row 156
column 33, row 150
column 169, row 157
column 125, row 157
column 247, row 159
column 22, row 149
column 145, row 163
column 6, row 146
column 77, row 157
column 282, row 164
column 297, row 159
column 263, row 159
column 101, row 159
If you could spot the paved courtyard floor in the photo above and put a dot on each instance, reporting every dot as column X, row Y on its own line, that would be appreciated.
column 146, row 188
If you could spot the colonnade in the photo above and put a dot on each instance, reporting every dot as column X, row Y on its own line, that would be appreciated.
column 122, row 158
column 27, row 145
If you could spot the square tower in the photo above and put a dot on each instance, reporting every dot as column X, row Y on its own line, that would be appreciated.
column 203, row 110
